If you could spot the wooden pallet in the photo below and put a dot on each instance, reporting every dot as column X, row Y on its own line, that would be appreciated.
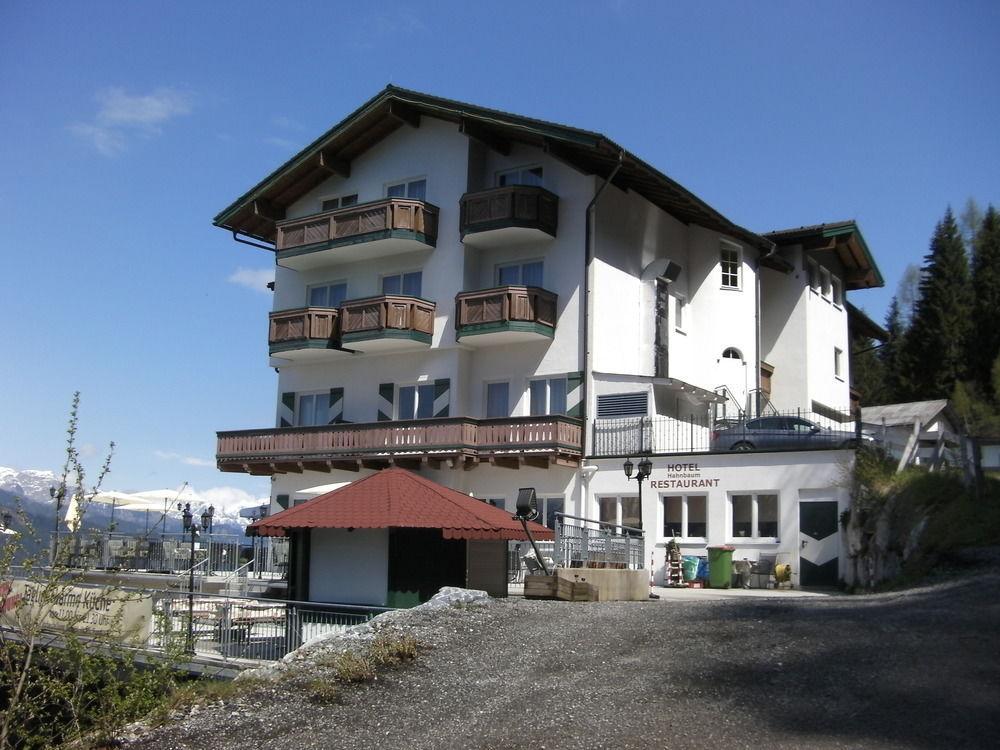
column 554, row 587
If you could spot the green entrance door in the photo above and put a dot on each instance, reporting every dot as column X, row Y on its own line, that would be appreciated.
column 819, row 543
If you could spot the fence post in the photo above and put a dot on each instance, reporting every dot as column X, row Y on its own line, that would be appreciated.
column 559, row 541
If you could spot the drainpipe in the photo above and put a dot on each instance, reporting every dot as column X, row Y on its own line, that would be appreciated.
column 760, row 355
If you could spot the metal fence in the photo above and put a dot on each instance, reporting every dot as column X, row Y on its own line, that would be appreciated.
column 163, row 553
column 781, row 431
column 586, row 543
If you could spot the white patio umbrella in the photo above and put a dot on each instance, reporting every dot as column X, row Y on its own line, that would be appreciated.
column 167, row 499
column 110, row 497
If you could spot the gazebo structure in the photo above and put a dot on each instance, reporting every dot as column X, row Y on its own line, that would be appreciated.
column 394, row 539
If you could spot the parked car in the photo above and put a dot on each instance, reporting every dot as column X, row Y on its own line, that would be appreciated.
column 781, row 433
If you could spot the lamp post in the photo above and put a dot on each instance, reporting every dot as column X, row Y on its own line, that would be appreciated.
column 645, row 468
column 190, row 527
column 58, row 495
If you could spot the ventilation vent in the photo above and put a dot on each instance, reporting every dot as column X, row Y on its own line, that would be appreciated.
column 622, row 405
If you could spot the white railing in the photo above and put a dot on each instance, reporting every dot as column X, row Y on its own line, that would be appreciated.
column 586, row 543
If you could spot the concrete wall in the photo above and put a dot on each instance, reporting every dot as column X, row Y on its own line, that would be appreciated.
column 349, row 567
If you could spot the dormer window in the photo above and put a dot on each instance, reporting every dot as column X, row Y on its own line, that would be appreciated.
column 413, row 189
column 341, row 201
column 520, row 176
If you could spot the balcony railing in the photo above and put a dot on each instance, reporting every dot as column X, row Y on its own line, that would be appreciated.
column 506, row 308
column 539, row 439
column 387, row 315
column 307, row 324
column 390, row 217
column 525, row 206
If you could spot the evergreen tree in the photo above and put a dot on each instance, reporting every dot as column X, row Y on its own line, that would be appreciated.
column 984, row 344
column 867, row 371
column 895, row 388
column 934, row 355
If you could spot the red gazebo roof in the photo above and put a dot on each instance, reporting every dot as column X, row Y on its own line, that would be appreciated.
column 396, row 498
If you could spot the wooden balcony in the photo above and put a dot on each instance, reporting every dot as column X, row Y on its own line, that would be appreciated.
column 391, row 322
column 306, row 333
column 504, row 315
column 510, row 443
column 366, row 230
column 507, row 215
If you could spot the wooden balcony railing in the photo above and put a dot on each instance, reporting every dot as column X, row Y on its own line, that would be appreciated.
column 304, row 324
column 378, row 219
column 506, row 304
column 525, row 206
column 461, row 436
column 360, row 317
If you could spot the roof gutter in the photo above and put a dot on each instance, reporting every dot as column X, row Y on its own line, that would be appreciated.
column 588, row 282
column 253, row 244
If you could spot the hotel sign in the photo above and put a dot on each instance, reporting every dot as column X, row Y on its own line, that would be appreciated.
column 682, row 477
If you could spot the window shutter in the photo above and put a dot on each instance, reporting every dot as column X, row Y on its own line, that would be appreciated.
column 385, row 395
column 282, row 500
column 442, row 397
column 574, row 395
column 286, row 410
column 336, row 412
column 622, row 405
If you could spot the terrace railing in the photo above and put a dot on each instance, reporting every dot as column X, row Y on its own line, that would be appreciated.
column 352, row 224
column 586, row 543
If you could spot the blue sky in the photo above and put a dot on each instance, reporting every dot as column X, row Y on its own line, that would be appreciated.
column 124, row 127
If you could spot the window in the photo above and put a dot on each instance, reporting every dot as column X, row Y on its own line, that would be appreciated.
column 755, row 516
column 403, row 283
column 838, row 291
column 732, row 353
column 548, row 396
column 685, row 516
column 729, row 259
column 520, row 274
column 824, row 278
column 416, row 401
column 621, row 511
column 617, row 405
column 327, row 295
column 812, row 269
column 497, row 400
column 520, row 176
column 838, row 356
column 314, row 409
column 415, row 189
column 679, row 306
column 342, row 201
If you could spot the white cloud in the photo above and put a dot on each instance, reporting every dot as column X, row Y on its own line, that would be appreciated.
column 122, row 115
column 188, row 460
column 283, row 143
column 256, row 279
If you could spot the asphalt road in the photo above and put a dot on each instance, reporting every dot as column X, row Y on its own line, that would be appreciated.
column 919, row 669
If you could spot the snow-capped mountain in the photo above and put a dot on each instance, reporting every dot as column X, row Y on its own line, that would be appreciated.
column 32, row 486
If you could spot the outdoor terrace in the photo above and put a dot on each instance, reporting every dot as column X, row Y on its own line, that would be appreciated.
column 506, row 314
column 515, row 213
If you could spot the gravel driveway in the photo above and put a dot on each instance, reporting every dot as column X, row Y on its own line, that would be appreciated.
column 915, row 669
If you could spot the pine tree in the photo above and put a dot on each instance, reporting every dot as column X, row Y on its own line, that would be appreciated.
column 894, row 387
column 984, row 344
column 934, row 356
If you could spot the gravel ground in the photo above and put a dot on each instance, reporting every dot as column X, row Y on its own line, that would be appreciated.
column 915, row 669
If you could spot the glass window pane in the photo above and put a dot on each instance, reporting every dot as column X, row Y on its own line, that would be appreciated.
column 391, row 284
column 411, row 283
column 349, row 200
column 417, row 190
column 509, row 275
column 496, row 400
column 767, row 515
column 331, row 204
column 672, row 516
column 503, row 180
column 396, row 191
column 305, row 415
column 338, row 293
column 697, row 516
column 425, row 402
column 531, row 274
column 407, row 399
column 557, row 396
column 318, row 296
column 553, row 505
column 537, row 390
column 531, row 176
column 742, row 525
column 322, row 411
column 631, row 512
column 609, row 510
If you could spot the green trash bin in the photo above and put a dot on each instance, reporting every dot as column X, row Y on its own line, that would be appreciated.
column 689, row 566
column 720, row 566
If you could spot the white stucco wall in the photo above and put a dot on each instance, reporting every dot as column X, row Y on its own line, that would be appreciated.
column 349, row 567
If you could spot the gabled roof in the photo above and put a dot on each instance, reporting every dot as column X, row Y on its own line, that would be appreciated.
column 907, row 413
column 841, row 237
column 255, row 212
column 396, row 498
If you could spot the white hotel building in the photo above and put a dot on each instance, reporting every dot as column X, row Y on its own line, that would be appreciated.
column 500, row 302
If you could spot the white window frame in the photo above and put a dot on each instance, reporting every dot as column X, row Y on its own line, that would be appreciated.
column 486, row 397
column 519, row 264
column 838, row 363
column 401, row 274
column 542, row 502
column 417, row 400
column 339, row 197
column 406, row 187
column 755, row 496
column 322, row 284
column 731, row 247
column 617, row 499
column 299, row 410
column 547, row 411
column 680, row 313
column 518, row 171
column 685, row 517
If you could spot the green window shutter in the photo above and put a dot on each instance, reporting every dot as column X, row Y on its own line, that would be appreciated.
column 574, row 395
column 336, row 412
column 282, row 500
column 286, row 410
column 442, row 397
column 386, row 391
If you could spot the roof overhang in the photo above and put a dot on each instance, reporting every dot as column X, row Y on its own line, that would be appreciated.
column 254, row 213
column 858, row 323
column 842, row 238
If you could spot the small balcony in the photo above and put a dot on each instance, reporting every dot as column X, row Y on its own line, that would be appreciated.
column 367, row 230
column 390, row 322
column 508, row 215
column 505, row 315
column 305, row 334
column 511, row 443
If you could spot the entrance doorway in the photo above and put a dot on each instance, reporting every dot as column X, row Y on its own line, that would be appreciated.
column 819, row 543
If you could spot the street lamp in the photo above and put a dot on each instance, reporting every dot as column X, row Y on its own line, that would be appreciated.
column 194, row 529
column 645, row 469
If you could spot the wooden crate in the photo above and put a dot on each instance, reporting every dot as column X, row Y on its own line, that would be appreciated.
column 553, row 587
column 540, row 587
